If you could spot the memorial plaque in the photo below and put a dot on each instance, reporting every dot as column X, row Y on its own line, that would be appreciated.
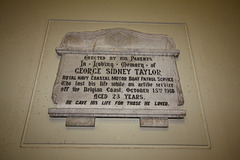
column 117, row 73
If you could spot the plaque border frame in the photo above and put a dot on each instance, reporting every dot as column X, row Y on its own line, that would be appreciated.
column 24, row 144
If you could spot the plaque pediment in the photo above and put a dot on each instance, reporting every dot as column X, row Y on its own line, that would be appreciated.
column 117, row 39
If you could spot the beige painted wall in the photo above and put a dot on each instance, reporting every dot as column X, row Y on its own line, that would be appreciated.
column 214, row 36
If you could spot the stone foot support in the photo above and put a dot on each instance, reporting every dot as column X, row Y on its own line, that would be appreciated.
column 80, row 122
column 154, row 122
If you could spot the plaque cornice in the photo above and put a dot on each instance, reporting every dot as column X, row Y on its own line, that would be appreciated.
column 64, row 50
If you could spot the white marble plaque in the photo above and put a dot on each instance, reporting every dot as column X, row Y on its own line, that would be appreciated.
column 117, row 73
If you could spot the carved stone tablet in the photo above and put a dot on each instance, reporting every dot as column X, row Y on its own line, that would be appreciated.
column 117, row 73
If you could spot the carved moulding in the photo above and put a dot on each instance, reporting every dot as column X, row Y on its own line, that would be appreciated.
column 117, row 73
